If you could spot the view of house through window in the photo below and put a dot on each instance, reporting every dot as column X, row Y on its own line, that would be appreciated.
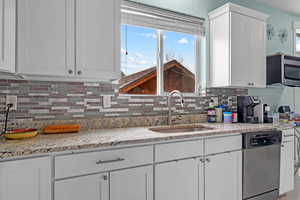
column 179, row 62
column 139, row 61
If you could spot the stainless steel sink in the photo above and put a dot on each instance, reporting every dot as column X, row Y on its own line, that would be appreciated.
column 180, row 129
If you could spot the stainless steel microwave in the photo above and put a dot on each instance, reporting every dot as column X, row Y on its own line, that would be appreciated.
column 283, row 69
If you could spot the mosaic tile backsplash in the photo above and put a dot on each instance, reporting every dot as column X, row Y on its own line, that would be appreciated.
column 48, row 101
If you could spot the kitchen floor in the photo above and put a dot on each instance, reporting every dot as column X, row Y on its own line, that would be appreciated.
column 295, row 195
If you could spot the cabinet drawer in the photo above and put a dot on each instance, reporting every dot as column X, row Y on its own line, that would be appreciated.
column 94, row 162
column 178, row 150
column 288, row 134
column 223, row 144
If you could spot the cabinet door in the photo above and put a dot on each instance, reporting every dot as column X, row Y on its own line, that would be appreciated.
column 26, row 179
column 223, row 176
column 98, row 48
column 297, row 99
column 219, row 70
column 287, row 166
column 240, row 34
column 179, row 180
column 132, row 184
column 94, row 187
column 46, row 37
column 248, row 53
column 257, row 53
column 7, row 35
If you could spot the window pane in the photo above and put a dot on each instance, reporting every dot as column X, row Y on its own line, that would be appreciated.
column 138, row 60
column 179, row 62
column 298, row 41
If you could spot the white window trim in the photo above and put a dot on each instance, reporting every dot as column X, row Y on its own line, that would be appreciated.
column 295, row 27
column 160, row 50
column 139, row 14
column 160, row 63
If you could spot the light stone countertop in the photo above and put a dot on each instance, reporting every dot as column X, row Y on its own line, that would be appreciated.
column 93, row 139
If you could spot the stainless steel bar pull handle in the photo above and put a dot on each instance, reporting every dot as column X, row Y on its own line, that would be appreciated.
column 289, row 135
column 100, row 162
column 285, row 142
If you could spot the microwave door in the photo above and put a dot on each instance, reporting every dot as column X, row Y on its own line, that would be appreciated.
column 292, row 72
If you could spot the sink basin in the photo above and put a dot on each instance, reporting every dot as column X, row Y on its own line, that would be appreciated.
column 180, row 129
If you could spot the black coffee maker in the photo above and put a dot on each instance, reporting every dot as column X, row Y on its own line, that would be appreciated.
column 245, row 109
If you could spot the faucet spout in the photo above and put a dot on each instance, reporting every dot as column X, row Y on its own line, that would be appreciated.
column 172, row 94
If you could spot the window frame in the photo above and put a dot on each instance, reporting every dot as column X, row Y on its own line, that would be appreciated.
column 160, row 63
column 296, row 27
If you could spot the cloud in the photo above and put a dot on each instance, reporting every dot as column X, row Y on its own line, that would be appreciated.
column 139, row 55
column 143, row 62
column 137, row 61
column 123, row 51
column 183, row 41
column 149, row 35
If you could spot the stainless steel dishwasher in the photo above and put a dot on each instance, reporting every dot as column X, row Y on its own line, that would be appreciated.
column 261, row 165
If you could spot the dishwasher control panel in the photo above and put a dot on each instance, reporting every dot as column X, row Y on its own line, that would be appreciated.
column 260, row 139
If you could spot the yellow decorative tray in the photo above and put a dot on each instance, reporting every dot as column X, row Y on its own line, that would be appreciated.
column 20, row 134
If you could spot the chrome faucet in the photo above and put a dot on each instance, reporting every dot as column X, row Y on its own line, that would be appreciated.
column 171, row 94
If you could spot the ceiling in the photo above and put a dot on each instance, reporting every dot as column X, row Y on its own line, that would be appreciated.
column 292, row 6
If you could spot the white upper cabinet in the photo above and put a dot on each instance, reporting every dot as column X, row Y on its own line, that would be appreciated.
column 77, row 39
column 46, row 37
column 7, row 35
column 26, row 179
column 237, row 47
column 98, row 39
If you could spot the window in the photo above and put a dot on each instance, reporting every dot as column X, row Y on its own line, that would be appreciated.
column 160, row 50
column 138, row 60
column 179, row 62
column 297, row 38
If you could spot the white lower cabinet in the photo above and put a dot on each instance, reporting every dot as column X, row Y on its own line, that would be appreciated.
column 199, row 172
column 179, row 180
column 287, row 162
column 93, row 187
column 223, row 176
column 26, row 179
column 132, row 184
column 216, row 177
